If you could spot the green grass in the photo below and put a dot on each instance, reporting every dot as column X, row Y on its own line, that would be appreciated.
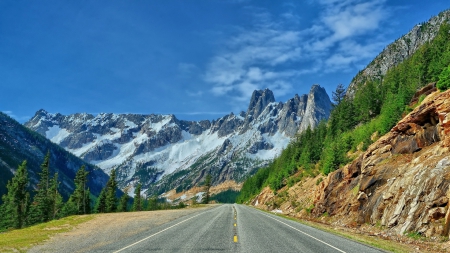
column 20, row 240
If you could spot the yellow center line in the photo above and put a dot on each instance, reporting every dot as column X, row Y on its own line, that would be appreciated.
column 235, row 238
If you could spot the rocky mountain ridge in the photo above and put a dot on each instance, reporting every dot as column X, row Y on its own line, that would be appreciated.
column 177, row 153
column 399, row 50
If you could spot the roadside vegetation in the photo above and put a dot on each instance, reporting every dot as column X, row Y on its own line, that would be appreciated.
column 23, row 207
column 356, row 122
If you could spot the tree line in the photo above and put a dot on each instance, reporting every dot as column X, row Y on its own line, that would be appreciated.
column 356, row 121
column 20, row 210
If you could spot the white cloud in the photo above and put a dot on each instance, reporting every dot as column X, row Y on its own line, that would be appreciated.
column 187, row 69
column 269, row 53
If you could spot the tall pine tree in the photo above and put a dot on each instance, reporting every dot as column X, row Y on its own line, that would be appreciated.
column 111, row 199
column 16, row 201
column 79, row 202
column 40, row 208
column 55, row 198
column 137, row 203
column 107, row 201
column 123, row 202
column 206, row 195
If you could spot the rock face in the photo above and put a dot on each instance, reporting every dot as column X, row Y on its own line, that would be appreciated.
column 402, row 181
column 147, row 147
column 400, row 50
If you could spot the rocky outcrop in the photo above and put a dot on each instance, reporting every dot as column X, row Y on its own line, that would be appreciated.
column 402, row 181
column 318, row 108
column 398, row 51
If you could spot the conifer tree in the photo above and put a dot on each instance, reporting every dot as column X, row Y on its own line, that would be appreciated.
column 79, row 202
column 339, row 94
column 16, row 200
column 123, row 202
column 137, row 203
column 206, row 195
column 100, row 207
column 107, row 201
column 56, row 200
column 40, row 208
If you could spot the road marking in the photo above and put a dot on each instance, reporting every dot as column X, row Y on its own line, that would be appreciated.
column 235, row 238
column 305, row 233
column 148, row 237
column 235, row 224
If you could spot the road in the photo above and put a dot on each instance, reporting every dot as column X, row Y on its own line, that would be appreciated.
column 229, row 228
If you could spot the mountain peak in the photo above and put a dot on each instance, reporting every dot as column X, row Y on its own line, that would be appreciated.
column 260, row 99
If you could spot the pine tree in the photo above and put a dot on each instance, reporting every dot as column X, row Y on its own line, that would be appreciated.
column 79, row 196
column 123, row 202
column 206, row 195
column 40, row 208
column 111, row 199
column 16, row 200
column 339, row 94
column 100, row 207
column 56, row 200
column 137, row 203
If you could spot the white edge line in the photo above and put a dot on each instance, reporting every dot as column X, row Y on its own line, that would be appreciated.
column 305, row 234
column 148, row 237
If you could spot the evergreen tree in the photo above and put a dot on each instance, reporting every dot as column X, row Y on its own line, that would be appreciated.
column 16, row 200
column 100, row 207
column 111, row 199
column 123, row 202
column 137, row 203
column 153, row 203
column 40, row 208
column 339, row 94
column 55, row 198
column 444, row 79
column 206, row 195
column 79, row 196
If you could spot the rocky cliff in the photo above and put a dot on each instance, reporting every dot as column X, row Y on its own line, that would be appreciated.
column 401, row 183
column 399, row 50
column 165, row 153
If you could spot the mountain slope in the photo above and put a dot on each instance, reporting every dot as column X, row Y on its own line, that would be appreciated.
column 147, row 147
column 399, row 50
column 18, row 143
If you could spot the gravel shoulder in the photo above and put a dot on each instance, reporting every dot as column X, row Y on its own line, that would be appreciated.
column 105, row 229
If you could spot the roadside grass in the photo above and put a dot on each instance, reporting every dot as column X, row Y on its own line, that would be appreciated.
column 373, row 241
column 19, row 240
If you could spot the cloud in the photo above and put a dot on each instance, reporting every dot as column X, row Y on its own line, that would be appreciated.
column 187, row 69
column 255, row 58
column 269, row 53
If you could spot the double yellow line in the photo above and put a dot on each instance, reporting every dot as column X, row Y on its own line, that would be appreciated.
column 235, row 239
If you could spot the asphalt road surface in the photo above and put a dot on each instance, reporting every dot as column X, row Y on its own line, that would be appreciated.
column 231, row 228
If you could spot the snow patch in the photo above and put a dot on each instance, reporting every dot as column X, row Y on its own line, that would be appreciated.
column 56, row 134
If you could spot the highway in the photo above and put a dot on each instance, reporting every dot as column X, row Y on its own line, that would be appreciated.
column 235, row 228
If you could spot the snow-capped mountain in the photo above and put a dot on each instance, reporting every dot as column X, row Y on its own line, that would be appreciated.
column 164, row 153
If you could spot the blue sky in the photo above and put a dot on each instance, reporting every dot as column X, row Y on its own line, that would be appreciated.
column 196, row 59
